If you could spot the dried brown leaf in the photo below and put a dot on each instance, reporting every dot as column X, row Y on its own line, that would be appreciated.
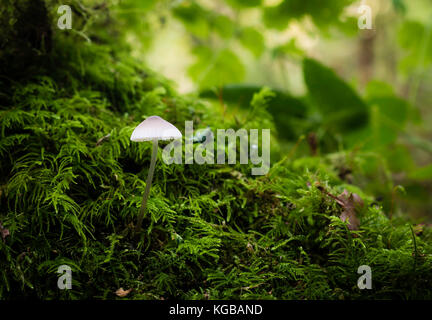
column 351, row 203
column 123, row 293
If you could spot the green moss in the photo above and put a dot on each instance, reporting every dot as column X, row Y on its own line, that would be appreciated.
column 212, row 231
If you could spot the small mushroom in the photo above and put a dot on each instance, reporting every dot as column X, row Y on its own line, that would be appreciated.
column 153, row 128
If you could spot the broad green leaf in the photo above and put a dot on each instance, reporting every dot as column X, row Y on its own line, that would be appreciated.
column 193, row 17
column 383, row 130
column 252, row 40
column 285, row 109
column 389, row 115
column 200, row 21
column 289, row 48
column 216, row 68
column 395, row 109
column 279, row 16
column 275, row 18
column 341, row 108
column 408, row 29
column 376, row 88
column 222, row 25
column 416, row 39
column 399, row 6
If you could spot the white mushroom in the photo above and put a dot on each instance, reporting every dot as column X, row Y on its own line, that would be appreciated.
column 153, row 128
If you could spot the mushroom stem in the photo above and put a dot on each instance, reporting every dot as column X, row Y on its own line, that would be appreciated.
column 148, row 185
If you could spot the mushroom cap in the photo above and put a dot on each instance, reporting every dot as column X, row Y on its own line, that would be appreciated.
column 155, row 127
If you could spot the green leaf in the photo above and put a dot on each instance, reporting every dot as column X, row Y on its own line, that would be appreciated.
column 418, row 47
column 289, row 48
column 389, row 115
column 340, row 107
column 279, row 16
column 201, row 22
column 383, row 131
column 193, row 17
column 252, row 40
column 222, row 25
column 287, row 111
column 376, row 88
column 399, row 6
column 275, row 18
column 393, row 108
column 216, row 68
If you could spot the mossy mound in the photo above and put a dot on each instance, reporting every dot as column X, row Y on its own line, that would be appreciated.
column 71, row 183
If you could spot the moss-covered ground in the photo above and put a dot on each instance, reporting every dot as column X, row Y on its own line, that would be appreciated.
column 211, row 231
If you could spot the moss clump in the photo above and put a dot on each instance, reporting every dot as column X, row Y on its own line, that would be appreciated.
column 212, row 232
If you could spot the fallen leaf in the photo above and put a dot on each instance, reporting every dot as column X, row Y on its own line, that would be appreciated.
column 351, row 203
column 123, row 293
